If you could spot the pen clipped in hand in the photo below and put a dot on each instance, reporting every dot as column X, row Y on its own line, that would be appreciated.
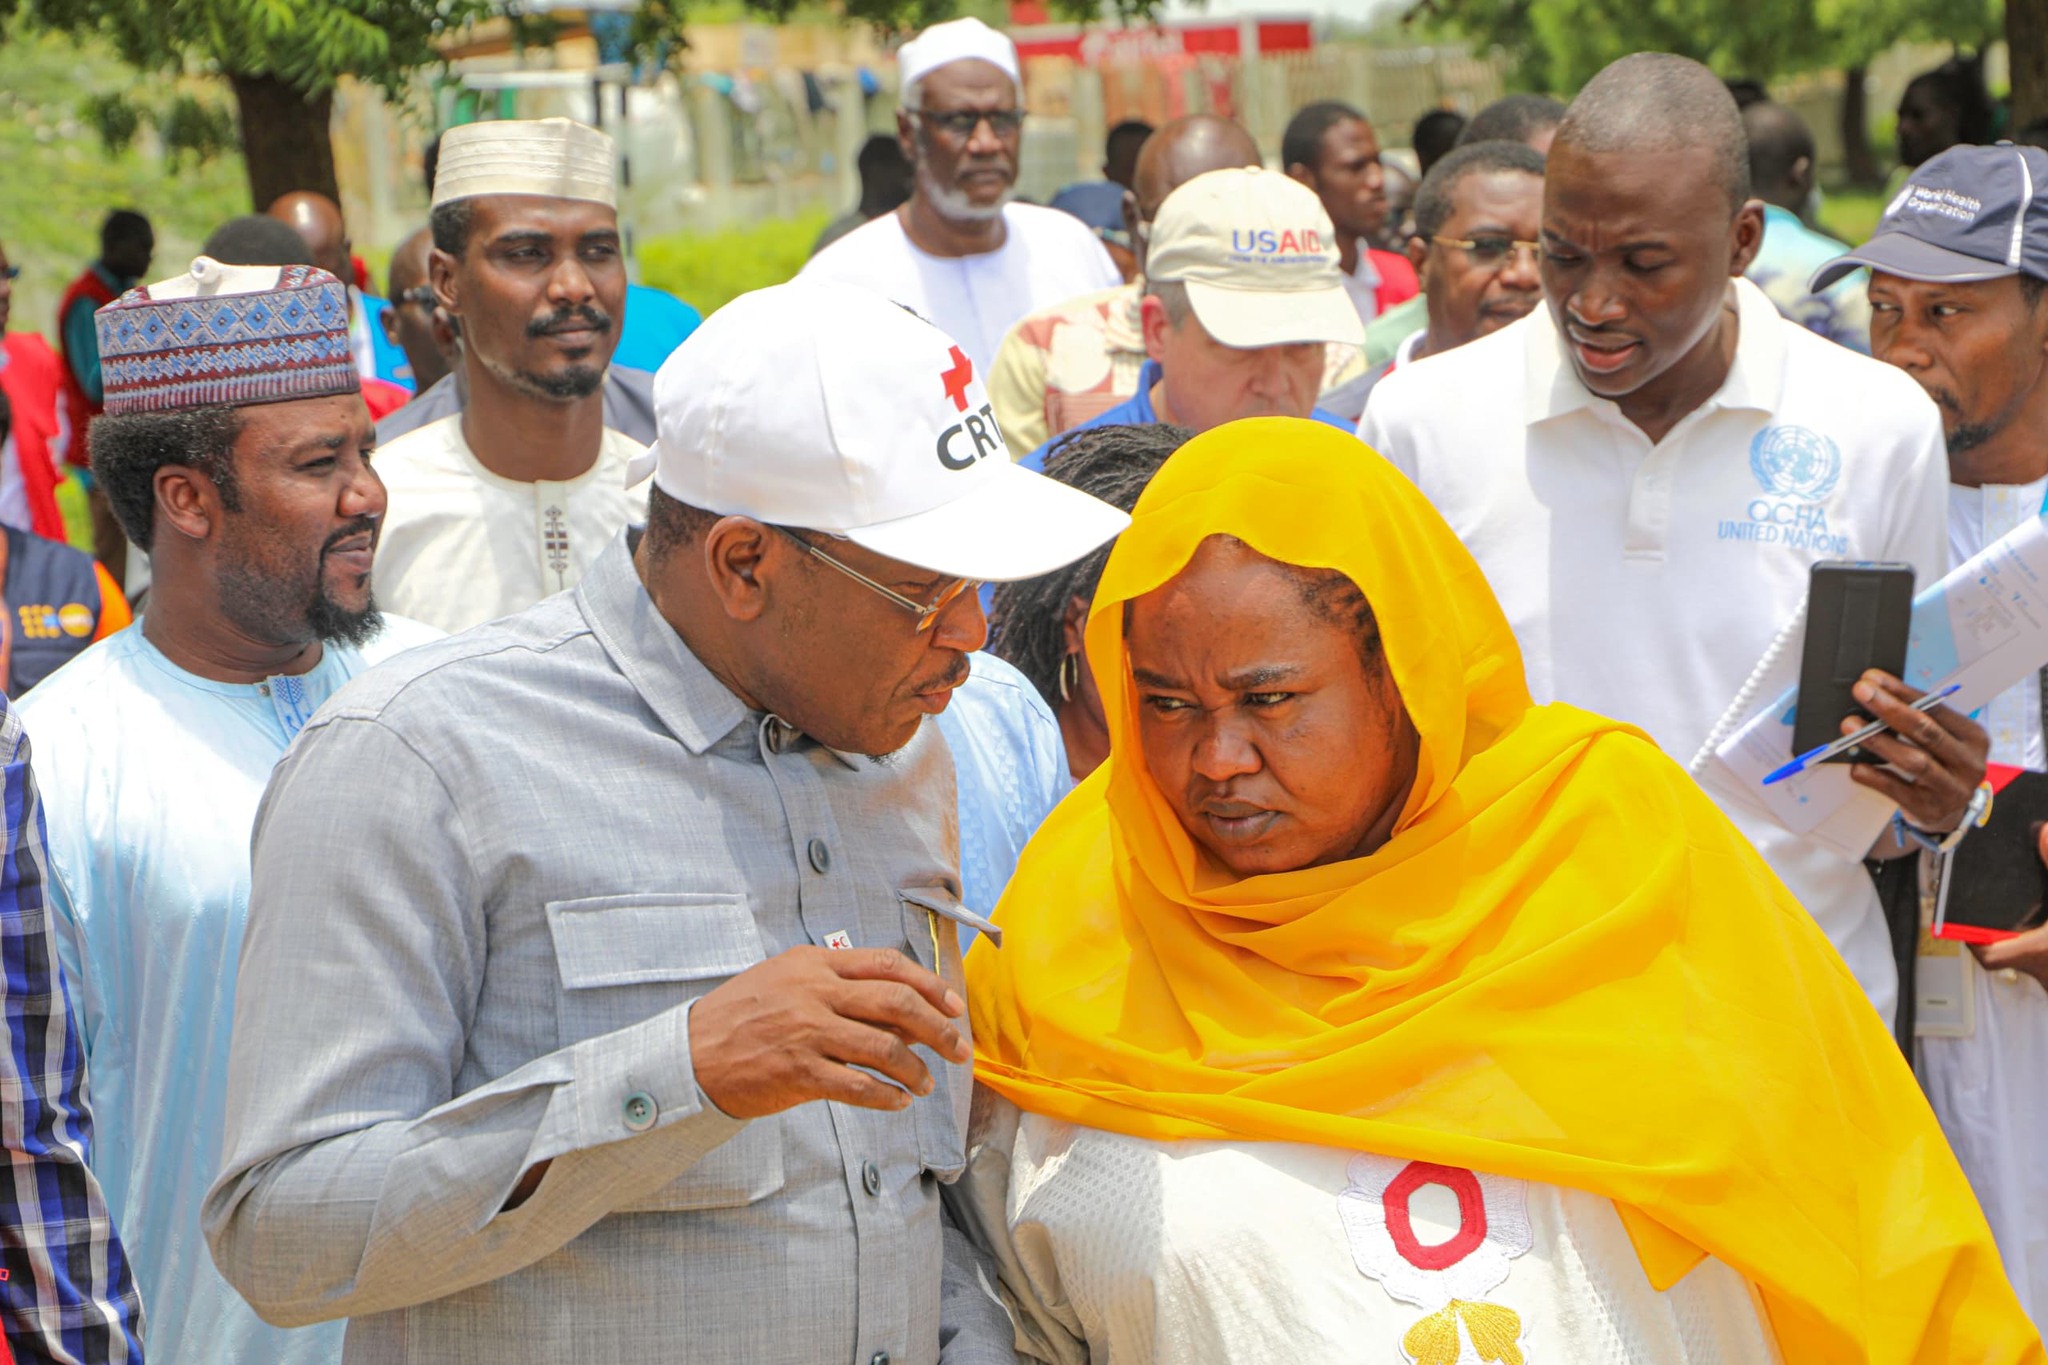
column 1849, row 741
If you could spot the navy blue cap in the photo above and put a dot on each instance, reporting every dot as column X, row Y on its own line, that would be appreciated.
column 1971, row 213
column 1099, row 204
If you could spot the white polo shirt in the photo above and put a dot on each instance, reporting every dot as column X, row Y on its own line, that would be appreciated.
column 1645, row 582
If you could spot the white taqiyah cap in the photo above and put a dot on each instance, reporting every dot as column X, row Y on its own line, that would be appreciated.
column 826, row 406
column 1258, row 256
column 556, row 157
column 955, row 40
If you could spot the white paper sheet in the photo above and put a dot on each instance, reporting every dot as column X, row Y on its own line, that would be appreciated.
column 1984, row 627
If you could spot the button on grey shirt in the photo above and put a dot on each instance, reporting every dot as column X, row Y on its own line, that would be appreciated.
column 490, row 878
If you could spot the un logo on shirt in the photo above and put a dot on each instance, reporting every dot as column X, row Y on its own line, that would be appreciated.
column 1795, row 462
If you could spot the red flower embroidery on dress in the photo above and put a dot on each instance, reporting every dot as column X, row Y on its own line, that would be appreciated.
column 1450, row 1278
column 1471, row 1214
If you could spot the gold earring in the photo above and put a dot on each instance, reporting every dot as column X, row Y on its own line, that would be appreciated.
column 1070, row 676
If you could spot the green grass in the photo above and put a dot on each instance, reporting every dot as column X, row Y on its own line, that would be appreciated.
column 1851, row 215
column 77, row 520
column 709, row 270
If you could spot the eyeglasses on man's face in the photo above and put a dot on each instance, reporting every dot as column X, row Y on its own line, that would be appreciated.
column 1490, row 250
column 421, row 294
column 961, row 123
column 927, row 613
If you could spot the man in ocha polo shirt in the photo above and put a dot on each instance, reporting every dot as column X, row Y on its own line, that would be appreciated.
column 1647, row 468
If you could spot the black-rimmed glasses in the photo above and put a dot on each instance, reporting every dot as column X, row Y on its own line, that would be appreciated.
column 961, row 123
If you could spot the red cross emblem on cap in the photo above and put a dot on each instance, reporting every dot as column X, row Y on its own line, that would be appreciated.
column 958, row 378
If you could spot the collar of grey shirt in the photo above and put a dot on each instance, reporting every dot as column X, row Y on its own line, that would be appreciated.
column 697, row 708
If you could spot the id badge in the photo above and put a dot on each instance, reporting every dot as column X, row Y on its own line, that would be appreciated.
column 1944, row 1004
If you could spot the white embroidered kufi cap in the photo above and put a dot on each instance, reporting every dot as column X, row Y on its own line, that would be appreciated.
column 953, row 41
column 556, row 157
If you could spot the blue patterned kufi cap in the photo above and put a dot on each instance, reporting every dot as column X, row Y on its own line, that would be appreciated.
column 226, row 336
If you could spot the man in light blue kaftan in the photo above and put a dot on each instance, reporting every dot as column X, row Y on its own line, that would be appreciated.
column 1010, row 770
column 153, row 748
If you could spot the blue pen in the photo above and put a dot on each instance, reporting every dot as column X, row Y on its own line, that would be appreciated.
column 1850, row 741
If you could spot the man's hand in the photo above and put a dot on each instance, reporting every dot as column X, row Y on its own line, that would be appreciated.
column 792, row 1029
column 1941, row 753
column 2027, row 952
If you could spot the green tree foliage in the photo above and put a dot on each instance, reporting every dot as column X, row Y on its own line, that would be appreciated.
column 306, row 44
column 1559, row 44
column 283, row 57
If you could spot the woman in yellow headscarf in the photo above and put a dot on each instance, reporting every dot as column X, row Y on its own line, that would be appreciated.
column 1358, row 1009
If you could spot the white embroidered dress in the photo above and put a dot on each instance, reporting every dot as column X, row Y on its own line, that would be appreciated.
column 1124, row 1250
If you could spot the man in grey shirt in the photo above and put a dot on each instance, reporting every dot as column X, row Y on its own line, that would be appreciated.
column 601, row 995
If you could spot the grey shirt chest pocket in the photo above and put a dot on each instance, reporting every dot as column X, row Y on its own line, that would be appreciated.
column 626, row 958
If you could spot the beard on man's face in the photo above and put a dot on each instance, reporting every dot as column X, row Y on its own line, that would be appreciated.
column 578, row 380
column 1961, row 437
column 1967, row 437
column 334, row 624
column 297, row 608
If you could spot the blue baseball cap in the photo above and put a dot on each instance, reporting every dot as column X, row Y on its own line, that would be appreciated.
column 1971, row 213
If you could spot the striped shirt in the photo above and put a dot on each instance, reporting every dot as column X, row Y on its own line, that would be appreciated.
column 66, row 1294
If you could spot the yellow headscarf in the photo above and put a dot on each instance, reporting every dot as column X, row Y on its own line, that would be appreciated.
column 1565, row 966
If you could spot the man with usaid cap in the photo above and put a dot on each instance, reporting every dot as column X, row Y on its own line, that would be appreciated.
column 512, row 498
column 959, row 252
column 235, row 449
column 1242, row 295
column 621, row 1019
column 1959, row 266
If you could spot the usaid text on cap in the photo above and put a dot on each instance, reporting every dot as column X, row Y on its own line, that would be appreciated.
column 980, row 426
column 1267, row 242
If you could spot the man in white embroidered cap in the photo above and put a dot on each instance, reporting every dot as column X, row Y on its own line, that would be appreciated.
column 959, row 252
column 512, row 497
column 621, row 1019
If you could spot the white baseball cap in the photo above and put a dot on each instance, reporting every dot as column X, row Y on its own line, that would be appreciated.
column 1259, row 258
column 826, row 406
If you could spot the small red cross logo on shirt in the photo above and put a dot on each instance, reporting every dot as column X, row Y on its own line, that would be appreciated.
column 958, row 378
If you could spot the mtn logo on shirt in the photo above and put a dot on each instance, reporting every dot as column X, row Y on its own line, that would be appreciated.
column 1283, row 246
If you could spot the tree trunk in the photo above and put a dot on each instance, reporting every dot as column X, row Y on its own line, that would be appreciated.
column 2026, row 39
column 285, row 142
column 1862, row 162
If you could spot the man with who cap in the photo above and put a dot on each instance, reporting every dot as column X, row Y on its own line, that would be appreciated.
column 1959, row 265
column 235, row 450
column 626, row 1020
column 513, row 498
column 1647, row 468
column 1242, row 297
column 959, row 252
